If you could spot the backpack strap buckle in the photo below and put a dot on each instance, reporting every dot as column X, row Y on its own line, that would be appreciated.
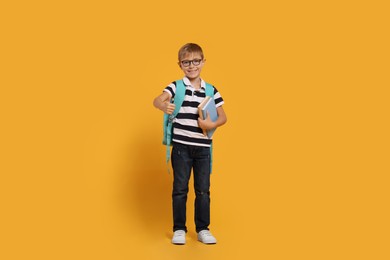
column 171, row 118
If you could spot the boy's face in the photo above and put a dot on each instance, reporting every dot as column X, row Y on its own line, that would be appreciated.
column 191, row 64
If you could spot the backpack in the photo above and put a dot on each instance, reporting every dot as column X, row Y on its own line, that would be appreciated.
column 168, row 119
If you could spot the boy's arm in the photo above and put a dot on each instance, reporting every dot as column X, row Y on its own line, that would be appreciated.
column 207, row 123
column 162, row 102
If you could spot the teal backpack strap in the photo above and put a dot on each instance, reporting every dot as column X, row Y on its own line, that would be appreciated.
column 178, row 101
column 179, row 96
column 210, row 93
column 209, row 90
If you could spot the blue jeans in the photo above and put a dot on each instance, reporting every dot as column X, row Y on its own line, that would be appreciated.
column 185, row 158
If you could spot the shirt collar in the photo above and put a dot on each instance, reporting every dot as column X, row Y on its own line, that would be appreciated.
column 188, row 83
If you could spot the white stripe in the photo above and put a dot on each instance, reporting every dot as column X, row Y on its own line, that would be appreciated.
column 189, row 110
column 189, row 134
column 166, row 90
column 188, row 122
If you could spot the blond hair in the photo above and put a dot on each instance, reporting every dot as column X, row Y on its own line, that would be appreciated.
column 190, row 48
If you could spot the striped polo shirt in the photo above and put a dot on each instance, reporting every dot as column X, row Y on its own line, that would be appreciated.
column 185, row 126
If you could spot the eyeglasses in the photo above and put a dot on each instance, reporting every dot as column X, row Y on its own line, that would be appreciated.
column 187, row 63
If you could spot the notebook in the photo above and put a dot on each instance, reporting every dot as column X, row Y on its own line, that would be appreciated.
column 208, row 106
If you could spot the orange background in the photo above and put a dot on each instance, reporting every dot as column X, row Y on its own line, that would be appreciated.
column 300, row 170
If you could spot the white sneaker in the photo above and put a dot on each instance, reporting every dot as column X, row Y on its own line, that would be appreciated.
column 179, row 237
column 206, row 237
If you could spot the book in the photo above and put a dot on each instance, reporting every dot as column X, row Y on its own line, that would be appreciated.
column 208, row 106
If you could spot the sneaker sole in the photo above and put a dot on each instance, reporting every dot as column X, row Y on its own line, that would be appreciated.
column 179, row 243
column 207, row 243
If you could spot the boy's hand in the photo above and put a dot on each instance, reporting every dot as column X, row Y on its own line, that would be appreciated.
column 207, row 123
column 168, row 107
column 162, row 102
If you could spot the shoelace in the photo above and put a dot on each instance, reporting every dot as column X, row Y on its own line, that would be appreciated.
column 205, row 233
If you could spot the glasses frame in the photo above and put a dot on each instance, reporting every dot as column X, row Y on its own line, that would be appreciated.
column 195, row 62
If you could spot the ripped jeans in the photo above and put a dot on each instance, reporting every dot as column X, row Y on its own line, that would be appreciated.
column 185, row 158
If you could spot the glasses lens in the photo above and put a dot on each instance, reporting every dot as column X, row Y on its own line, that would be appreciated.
column 185, row 63
column 196, row 62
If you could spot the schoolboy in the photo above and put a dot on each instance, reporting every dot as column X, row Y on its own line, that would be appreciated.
column 191, row 149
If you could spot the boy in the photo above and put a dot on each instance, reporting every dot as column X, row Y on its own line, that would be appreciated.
column 191, row 149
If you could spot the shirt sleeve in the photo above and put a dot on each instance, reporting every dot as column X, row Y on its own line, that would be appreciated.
column 171, row 89
column 218, row 98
